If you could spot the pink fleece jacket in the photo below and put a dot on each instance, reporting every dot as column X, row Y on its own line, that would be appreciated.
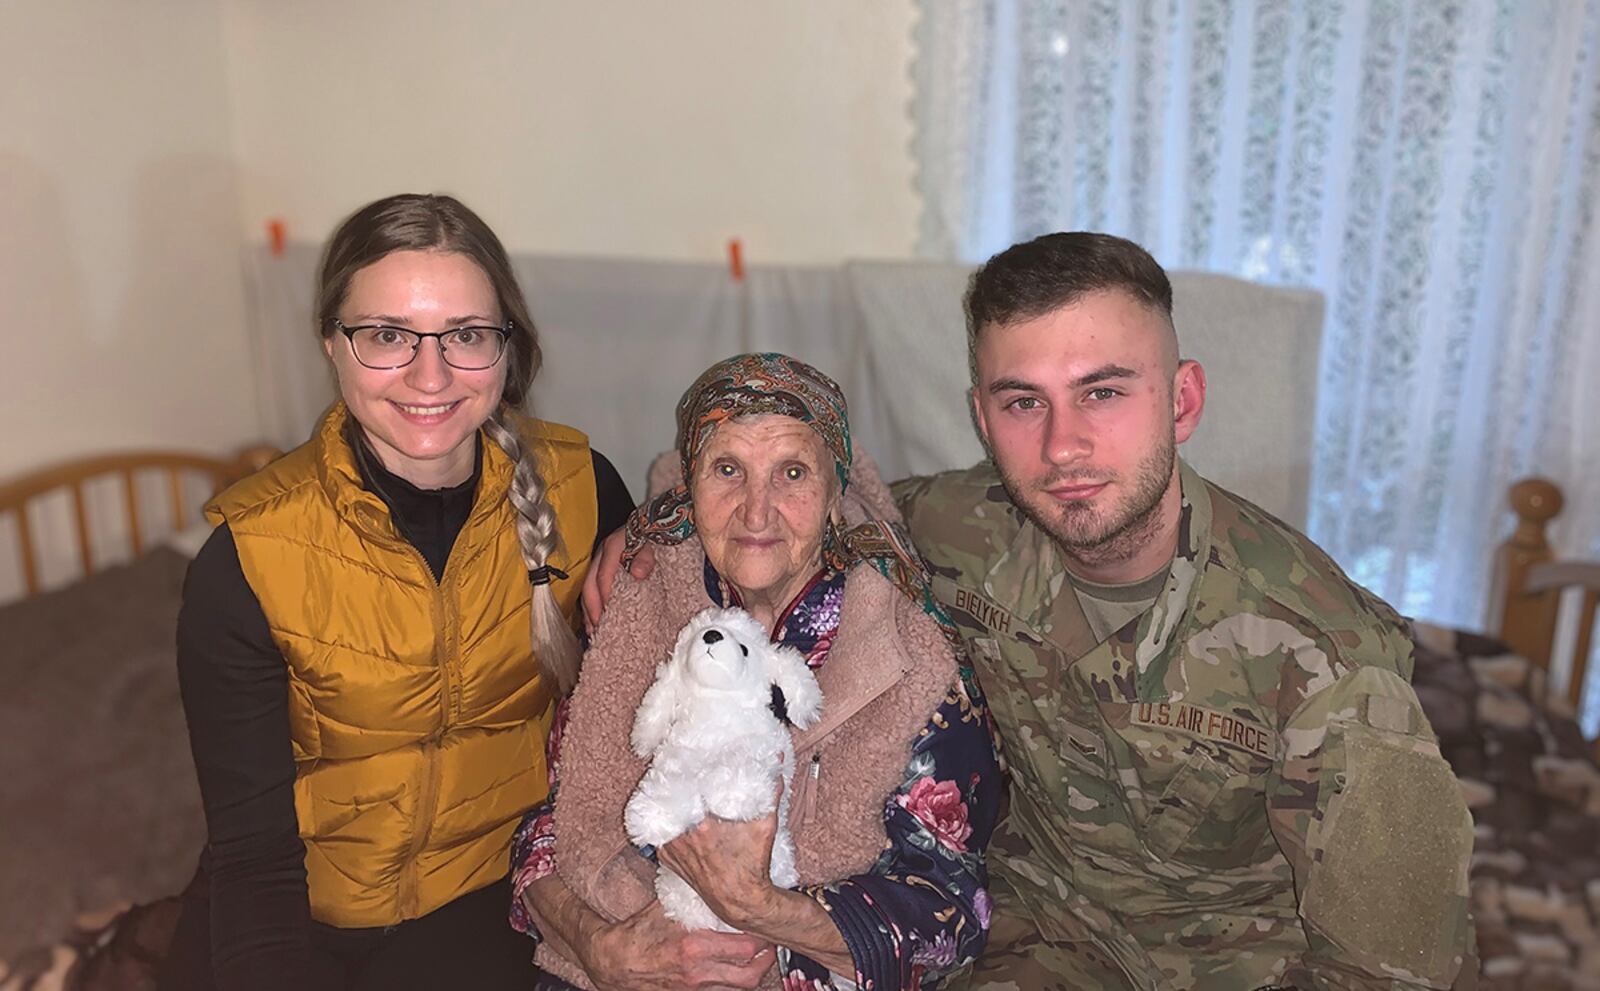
column 886, row 674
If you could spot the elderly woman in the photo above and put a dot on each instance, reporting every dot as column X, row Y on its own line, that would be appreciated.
column 897, row 785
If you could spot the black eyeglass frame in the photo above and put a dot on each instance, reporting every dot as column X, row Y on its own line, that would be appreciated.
column 502, row 333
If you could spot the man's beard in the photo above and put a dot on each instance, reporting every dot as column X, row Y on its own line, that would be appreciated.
column 1099, row 537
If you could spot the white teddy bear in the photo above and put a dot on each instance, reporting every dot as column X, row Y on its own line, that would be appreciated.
column 718, row 745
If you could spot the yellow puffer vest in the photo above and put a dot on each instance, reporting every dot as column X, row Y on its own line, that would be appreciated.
column 417, row 709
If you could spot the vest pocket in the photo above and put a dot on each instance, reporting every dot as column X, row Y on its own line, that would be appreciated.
column 331, row 816
column 367, row 802
column 305, row 734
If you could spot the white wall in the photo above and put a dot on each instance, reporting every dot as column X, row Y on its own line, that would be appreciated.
column 143, row 144
column 616, row 127
column 121, row 301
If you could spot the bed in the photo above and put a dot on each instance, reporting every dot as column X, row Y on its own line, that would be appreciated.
column 98, row 801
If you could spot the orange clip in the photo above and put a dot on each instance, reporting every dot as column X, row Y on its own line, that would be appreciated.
column 277, row 236
column 735, row 259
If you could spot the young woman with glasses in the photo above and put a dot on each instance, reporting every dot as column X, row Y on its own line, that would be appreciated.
column 374, row 637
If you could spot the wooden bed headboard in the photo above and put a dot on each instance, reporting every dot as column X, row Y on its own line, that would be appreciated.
column 1528, row 584
column 18, row 497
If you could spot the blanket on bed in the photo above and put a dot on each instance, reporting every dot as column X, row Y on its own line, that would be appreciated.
column 98, row 802
column 1534, row 792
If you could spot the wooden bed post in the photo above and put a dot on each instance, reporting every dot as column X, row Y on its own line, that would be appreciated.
column 1526, row 622
column 1528, row 585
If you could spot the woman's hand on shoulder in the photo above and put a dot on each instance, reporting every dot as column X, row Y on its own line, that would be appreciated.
column 650, row 952
column 602, row 575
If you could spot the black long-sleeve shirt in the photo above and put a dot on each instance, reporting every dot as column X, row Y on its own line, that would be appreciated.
column 234, row 683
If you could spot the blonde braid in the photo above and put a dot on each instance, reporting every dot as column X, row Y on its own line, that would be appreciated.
column 554, row 643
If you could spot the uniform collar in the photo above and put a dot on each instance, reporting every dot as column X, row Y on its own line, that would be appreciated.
column 1030, row 576
column 1161, row 625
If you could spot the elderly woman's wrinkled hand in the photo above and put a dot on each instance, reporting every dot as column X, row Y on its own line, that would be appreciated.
column 729, row 864
column 650, row 952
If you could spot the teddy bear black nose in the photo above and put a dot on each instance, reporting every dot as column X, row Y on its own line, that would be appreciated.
column 711, row 636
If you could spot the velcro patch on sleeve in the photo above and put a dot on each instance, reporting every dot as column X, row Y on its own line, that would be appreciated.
column 1388, row 885
column 1392, row 714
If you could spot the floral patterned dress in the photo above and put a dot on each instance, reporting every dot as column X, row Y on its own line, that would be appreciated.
column 922, row 910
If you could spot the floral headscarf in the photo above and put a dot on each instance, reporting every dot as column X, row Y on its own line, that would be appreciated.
column 753, row 384
column 769, row 383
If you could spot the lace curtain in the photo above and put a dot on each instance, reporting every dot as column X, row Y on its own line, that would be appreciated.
column 1429, row 165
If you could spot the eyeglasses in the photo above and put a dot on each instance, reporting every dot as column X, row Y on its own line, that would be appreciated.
column 469, row 349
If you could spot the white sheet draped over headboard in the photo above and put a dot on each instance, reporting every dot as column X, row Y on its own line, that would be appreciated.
column 623, row 338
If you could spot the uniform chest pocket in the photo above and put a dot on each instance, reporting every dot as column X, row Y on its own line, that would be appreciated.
column 1183, row 803
column 1211, row 812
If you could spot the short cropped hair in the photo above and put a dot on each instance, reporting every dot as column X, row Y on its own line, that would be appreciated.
column 1036, row 277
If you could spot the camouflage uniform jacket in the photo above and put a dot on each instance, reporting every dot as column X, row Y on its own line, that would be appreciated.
column 1236, row 789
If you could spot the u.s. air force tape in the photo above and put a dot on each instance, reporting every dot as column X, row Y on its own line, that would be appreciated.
column 1197, row 720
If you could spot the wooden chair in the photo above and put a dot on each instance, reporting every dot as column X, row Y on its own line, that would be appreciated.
column 1528, row 584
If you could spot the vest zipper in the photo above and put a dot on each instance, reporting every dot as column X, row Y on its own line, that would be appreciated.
column 428, row 796
column 427, row 799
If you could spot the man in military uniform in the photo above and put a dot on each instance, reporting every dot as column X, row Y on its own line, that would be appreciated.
column 1221, row 777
